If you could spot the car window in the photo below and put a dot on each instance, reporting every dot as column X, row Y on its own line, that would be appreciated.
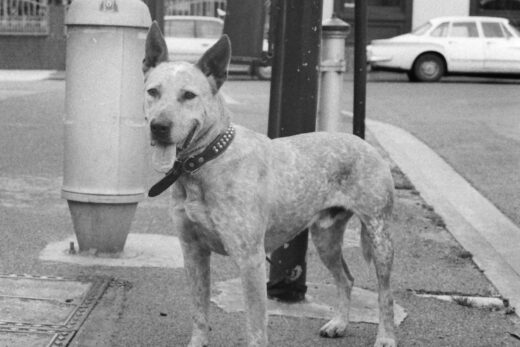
column 464, row 29
column 441, row 30
column 179, row 28
column 421, row 29
column 209, row 29
column 492, row 30
column 508, row 32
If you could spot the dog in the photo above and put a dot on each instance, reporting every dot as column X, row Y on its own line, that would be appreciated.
column 238, row 193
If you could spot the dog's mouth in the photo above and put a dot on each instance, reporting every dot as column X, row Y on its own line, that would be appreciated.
column 165, row 153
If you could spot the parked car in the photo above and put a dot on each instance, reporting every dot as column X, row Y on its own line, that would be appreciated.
column 450, row 45
column 188, row 37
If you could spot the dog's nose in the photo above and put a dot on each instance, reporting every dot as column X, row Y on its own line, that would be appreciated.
column 160, row 130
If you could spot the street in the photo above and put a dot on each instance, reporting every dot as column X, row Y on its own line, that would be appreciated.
column 472, row 123
column 149, row 305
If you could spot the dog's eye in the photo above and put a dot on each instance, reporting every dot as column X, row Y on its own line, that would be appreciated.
column 189, row 95
column 153, row 92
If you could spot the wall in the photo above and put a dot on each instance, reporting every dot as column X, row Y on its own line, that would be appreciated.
column 423, row 10
column 36, row 52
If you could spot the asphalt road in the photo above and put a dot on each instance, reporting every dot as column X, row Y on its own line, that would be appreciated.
column 473, row 123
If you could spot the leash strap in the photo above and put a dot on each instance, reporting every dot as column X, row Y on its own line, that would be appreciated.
column 167, row 181
column 192, row 164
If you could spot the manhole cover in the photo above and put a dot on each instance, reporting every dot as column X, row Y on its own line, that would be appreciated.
column 45, row 311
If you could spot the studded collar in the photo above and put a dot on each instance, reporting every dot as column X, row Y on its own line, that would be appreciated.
column 193, row 163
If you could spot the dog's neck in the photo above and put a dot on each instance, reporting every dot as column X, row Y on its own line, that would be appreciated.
column 208, row 133
column 193, row 163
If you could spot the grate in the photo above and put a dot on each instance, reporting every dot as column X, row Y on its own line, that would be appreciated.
column 45, row 311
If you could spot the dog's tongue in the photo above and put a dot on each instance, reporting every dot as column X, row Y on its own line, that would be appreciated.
column 163, row 158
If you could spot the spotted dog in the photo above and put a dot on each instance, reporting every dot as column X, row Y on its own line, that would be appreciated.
column 238, row 193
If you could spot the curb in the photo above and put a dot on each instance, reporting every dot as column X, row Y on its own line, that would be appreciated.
column 475, row 222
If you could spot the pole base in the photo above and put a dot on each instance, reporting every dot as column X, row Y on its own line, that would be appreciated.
column 101, row 227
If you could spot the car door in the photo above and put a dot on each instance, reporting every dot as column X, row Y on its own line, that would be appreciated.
column 179, row 34
column 501, row 49
column 465, row 48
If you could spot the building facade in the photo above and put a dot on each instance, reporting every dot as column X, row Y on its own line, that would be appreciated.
column 33, row 34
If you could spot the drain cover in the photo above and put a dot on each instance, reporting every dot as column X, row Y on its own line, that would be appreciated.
column 41, row 311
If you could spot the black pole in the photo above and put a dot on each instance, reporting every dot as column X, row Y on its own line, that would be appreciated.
column 360, row 67
column 296, row 31
column 156, row 8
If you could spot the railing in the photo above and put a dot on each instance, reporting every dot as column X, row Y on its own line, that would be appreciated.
column 209, row 8
column 24, row 17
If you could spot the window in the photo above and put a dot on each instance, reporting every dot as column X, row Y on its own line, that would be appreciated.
column 492, row 29
column 500, row 5
column 209, row 29
column 464, row 29
column 441, row 30
column 24, row 17
column 422, row 29
column 386, row 3
column 179, row 28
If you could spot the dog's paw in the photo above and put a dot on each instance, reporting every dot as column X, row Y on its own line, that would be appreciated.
column 198, row 341
column 385, row 342
column 336, row 327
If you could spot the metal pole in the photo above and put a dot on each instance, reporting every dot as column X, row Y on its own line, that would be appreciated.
column 360, row 67
column 156, row 8
column 296, row 26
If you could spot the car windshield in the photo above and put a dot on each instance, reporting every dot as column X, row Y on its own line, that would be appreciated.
column 515, row 30
column 421, row 30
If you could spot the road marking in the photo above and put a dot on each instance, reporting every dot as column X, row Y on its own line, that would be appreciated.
column 26, row 75
column 473, row 220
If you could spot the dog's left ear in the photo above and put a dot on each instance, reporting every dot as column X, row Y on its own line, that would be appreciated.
column 214, row 63
column 155, row 50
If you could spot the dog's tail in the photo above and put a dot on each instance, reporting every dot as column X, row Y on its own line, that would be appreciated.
column 366, row 244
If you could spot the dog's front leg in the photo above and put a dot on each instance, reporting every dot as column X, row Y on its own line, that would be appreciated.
column 197, row 266
column 252, row 274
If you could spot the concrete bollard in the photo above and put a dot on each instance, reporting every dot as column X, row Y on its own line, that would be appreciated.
column 332, row 67
column 104, row 126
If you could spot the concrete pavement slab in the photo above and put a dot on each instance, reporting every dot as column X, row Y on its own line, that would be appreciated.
column 141, row 250
column 319, row 303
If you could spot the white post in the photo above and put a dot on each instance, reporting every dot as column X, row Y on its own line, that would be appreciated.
column 328, row 10
column 105, row 130
column 332, row 67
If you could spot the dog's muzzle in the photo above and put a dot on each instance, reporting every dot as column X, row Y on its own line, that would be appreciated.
column 161, row 130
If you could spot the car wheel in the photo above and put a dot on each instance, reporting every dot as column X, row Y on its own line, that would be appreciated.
column 428, row 68
column 263, row 72
column 411, row 76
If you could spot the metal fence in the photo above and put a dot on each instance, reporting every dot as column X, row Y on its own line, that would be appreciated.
column 24, row 17
column 195, row 8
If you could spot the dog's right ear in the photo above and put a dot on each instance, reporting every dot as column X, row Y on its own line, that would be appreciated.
column 156, row 51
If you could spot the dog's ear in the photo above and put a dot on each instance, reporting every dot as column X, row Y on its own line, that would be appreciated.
column 214, row 63
column 156, row 51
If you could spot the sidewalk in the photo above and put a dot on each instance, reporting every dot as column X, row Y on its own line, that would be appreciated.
column 141, row 299
column 30, row 75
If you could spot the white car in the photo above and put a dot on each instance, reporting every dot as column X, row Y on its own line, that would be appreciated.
column 188, row 37
column 450, row 45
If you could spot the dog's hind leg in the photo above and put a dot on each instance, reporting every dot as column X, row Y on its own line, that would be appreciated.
column 377, row 245
column 327, row 235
